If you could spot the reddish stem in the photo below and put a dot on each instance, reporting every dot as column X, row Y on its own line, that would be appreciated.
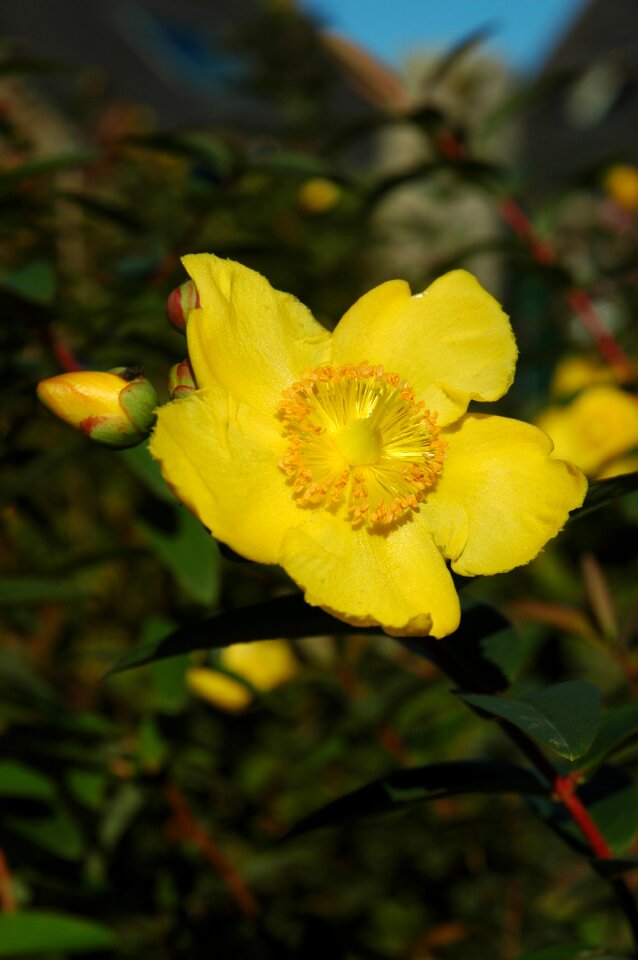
column 577, row 298
column 609, row 348
column 7, row 897
column 565, row 791
column 188, row 828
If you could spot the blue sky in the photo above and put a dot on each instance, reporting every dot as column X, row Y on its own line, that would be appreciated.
column 523, row 31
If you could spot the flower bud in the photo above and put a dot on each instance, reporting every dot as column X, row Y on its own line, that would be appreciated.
column 115, row 408
column 181, row 380
column 180, row 302
column 318, row 195
column 621, row 185
column 264, row 666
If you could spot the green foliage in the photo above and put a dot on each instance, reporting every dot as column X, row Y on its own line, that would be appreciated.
column 564, row 717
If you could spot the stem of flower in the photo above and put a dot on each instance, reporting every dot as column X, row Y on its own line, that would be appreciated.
column 563, row 788
column 189, row 828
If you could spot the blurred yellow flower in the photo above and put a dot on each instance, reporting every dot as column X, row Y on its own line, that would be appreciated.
column 318, row 195
column 597, row 427
column 575, row 372
column 349, row 457
column 264, row 665
column 116, row 408
column 621, row 184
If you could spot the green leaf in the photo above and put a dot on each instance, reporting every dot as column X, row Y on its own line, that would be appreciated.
column 602, row 492
column 32, row 590
column 35, row 282
column 45, row 165
column 613, row 867
column 618, row 725
column 190, row 553
column 424, row 783
column 56, row 833
column 285, row 617
column 563, row 717
column 485, row 649
column 573, row 952
column 17, row 780
column 140, row 462
column 42, row 933
column 187, row 549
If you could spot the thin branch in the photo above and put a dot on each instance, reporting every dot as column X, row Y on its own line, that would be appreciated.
column 188, row 828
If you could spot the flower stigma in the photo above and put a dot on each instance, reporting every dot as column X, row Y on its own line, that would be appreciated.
column 358, row 437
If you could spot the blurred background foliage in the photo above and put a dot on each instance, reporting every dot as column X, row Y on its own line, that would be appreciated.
column 143, row 816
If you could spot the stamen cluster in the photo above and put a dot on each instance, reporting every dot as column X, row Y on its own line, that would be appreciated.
column 358, row 437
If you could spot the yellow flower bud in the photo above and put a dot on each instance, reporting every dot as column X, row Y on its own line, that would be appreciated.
column 264, row 665
column 621, row 185
column 114, row 408
column 318, row 195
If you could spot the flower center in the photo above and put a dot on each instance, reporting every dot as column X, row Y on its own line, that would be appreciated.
column 357, row 437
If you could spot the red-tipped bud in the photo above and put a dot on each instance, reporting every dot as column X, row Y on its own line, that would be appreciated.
column 181, row 380
column 180, row 302
column 116, row 408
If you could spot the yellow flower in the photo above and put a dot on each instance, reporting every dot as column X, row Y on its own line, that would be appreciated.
column 575, row 372
column 116, row 408
column 621, row 184
column 348, row 457
column 265, row 665
column 596, row 428
column 318, row 195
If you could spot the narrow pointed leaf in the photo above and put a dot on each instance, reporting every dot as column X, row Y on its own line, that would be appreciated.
column 603, row 492
column 613, row 867
column 285, row 617
column 424, row 783
column 563, row 717
column 40, row 933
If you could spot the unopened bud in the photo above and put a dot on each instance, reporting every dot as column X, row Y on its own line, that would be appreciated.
column 115, row 408
column 318, row 195
column 180, row 302
column 181, row 380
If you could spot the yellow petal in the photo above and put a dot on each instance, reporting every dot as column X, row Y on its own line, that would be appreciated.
column 247, row 336
column 84, row 393
column 265, row 665
column 222, row 691
column 500, row 497
column 452, row 343
column 221, row 457
column 598, row 426
column 398, row 581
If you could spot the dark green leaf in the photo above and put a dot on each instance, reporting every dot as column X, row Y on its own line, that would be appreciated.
column 485, row 650
column 34, row 281
column 567, row 953
column 147, row 470
column 190, row 553
column 613, row 867
column 45, row 165
column 285, row 617
column 28, row 590
column 17, row 780
column 563, row 717
column 424, row 783
column 618, row 725
column 602, row 492
column 42, row 933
